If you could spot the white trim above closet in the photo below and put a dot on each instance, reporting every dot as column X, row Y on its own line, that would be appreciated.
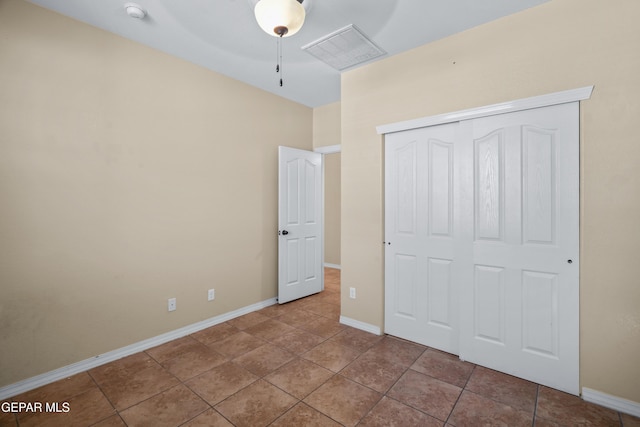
column 572, row 95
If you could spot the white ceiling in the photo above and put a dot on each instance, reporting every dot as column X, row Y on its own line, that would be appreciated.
column 222, row 35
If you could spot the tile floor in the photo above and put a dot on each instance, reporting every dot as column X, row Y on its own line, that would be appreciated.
column 296, row 365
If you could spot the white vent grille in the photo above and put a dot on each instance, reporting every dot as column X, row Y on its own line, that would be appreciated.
column 344, row 48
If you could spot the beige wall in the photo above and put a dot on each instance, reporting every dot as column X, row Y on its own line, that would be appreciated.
column 126, row 177
column 327, row 126
column 563, row 44
column 326, row 132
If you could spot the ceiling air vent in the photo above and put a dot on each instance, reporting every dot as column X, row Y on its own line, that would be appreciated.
column 344, row 48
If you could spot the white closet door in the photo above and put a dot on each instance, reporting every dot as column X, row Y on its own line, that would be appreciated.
column 420, row 296
column 520, row 293
column 482, row 241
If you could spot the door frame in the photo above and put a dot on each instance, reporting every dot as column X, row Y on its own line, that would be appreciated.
column 328, row 149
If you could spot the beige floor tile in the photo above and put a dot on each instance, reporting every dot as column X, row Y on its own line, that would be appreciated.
column 357, row 339
column 373, row 371
column 121, row 369
column 248, row 320
column 303, row 415
column 215, row 333
column 297, row 318
column 237, row 344
column 270, row 329
column 221, row 382
column 330, row 296
column 432, row 396
column 298, row 304
column 86, row 408
column 209, row 418
column 193, row 362
column 133, row 379
column 391, row 413
column 401, row 352
column 331, row 311
column 299, row 377
column 112, row 421
column 7, row 418
column 169, row 408
column 256, row 405
column 503, row 388
column 443, row 366
column 332, row 355
column 58, row 391
column 324, row 327
column 475, row 410
column 298, row 342
column 275, row 310
column 264, row 359
column 630, row 420
column 173, row 349
column 541, row 422
column 343, row 400
column 571, row 410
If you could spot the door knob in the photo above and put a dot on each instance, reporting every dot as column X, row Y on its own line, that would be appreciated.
column 285, row 232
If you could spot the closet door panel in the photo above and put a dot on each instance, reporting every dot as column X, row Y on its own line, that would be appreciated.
column 489, row 186
column 420, row 303
column 526, row 226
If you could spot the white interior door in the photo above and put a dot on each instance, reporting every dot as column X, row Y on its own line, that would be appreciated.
column 520, row 295
column 420, row 265
column 482, row 241
column 300, row 234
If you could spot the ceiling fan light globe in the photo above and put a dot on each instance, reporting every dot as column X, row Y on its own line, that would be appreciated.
column 272, row 15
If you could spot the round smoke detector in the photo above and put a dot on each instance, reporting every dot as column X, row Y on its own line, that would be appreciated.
column 134, row 10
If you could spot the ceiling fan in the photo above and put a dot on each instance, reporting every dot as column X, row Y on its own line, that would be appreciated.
column 280, row 18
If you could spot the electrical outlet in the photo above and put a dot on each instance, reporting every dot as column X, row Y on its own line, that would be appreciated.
column 211, row 295
column 352, row 293
column 172, row 304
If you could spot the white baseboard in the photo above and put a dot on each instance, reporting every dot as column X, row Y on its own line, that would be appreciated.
column 84, row 365
column 367, row 327
column 329, row 265
column 617, row 403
